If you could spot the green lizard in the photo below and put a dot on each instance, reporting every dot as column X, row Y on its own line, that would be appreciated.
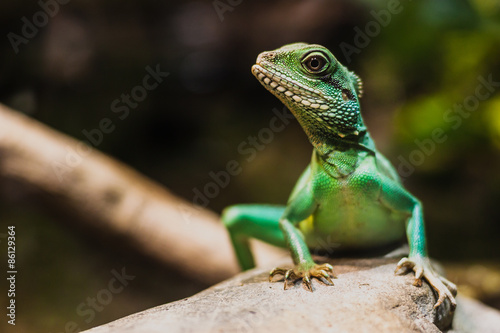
column 350, row 196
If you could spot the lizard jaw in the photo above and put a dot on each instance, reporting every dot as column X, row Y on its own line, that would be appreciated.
column 281, row 86
column 295, row 94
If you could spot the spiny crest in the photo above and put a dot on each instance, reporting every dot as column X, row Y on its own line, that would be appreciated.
column 359, row 84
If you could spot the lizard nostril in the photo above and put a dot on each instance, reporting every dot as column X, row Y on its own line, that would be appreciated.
column 265, row 56
column 270, row 55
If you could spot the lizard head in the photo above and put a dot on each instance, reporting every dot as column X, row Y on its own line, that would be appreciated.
column 321, row 93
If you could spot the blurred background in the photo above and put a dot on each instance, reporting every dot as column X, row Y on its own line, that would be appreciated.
column 428, row 104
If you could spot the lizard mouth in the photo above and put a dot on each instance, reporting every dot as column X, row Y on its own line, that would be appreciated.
column 284, row 87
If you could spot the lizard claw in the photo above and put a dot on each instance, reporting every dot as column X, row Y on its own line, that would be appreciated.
column 326, row 276
column 307, row 281
column 423, row 269
column 277, row 271
column 324, row 271
column 450, row 285
column 404, row 263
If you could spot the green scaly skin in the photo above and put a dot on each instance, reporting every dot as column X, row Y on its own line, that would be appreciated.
column 350, row 196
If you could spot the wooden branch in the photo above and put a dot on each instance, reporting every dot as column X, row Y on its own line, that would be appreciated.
column 110, row 196
column 366, row 297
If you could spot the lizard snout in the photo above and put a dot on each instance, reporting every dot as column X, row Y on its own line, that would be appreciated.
column 265, row 56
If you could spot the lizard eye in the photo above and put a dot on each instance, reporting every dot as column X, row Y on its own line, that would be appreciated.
column 315, row 63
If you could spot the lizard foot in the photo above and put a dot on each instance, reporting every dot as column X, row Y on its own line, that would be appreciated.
column 423, row 269
column 305, row 273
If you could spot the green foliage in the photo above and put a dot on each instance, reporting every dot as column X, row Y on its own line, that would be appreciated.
column 458, row 42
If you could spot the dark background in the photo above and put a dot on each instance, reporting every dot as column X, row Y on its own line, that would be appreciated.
column 416, row 63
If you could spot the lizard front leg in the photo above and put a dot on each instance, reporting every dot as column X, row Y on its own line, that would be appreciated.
column 394, row 196
column 305, row 267
column 300, row 207
column 419, row 262
column 252, row 221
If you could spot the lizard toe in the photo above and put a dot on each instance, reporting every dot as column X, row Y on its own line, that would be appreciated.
column 321, row 272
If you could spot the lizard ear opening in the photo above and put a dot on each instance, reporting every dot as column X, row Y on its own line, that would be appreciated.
column 358, row 84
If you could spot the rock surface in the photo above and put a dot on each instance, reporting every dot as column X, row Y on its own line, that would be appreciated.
column 367, row 297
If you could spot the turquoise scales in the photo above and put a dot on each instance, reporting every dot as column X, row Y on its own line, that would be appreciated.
column 350, row 196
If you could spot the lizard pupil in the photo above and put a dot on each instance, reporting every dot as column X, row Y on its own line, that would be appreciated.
column 315, row 63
